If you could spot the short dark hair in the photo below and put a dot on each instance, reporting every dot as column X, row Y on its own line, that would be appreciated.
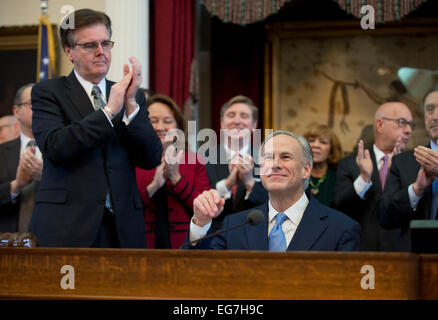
column 241, row 99
column 168, row 101
column 82, row 18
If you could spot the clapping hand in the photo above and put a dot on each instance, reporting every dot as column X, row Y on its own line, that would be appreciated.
column 364, row 162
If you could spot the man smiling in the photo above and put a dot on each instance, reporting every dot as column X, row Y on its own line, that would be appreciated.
column 293, row 220
column 234, row 175
column 91, row 132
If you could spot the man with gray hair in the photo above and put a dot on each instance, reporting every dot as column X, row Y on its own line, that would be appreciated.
column 292, row 219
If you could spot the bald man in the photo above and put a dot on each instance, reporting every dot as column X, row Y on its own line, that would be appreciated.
column 361, row 177
column 9, row 128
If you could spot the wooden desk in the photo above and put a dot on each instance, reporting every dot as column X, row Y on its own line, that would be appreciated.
column 184, row 274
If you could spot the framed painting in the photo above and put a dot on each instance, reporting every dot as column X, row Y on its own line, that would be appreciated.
column 337, row 74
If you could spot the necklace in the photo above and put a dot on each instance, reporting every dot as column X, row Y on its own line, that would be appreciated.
column 315, row 187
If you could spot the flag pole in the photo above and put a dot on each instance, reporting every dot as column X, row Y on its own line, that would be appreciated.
column 44, row 6
column 46, row 63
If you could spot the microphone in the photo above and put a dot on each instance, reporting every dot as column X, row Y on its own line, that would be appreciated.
column 253, row 218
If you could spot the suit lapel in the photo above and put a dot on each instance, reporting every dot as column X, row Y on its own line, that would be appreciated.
column 310, row 228
column 257, row 236
column 77, row 96
column 375, row 177
column 13, row 152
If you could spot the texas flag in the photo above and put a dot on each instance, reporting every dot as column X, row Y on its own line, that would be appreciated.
column 46, row 50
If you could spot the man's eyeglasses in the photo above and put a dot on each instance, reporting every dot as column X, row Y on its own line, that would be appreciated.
column 401, row 122
column 25, row 103
column 94, row 45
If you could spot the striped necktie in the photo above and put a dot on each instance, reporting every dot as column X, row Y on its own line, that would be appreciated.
column 98, row 102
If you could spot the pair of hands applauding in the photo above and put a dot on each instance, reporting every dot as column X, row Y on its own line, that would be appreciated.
column 124, row 91
column 168, row 169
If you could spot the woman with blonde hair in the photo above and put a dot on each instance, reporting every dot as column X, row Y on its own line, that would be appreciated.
column 327, row 151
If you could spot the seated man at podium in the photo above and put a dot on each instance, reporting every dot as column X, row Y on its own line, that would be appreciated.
column 290, row 220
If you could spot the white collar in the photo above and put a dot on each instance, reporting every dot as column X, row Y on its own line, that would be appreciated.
column 88, row 86
column 379, row 153
column 24, row 140
column 294, row 212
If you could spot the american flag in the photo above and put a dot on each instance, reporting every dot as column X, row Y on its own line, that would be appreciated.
column 46, row 50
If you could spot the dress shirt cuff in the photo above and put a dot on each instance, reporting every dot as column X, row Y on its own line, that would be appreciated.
column 413, row 198
column 361, row 186
column 223, row 190
column 248, row 192
column 127, row 120
column 107, row 118
column 197, row 232
column 14, row 196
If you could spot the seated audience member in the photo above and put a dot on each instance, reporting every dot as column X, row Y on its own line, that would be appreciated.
column 9, row 128
column 21, row 169
column 327, row 151
column 168, row 190
column 411, row 190
column 235, row 176
column 293, row 219
column 361, row 177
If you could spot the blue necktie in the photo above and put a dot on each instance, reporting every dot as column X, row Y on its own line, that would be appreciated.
column 277, row 240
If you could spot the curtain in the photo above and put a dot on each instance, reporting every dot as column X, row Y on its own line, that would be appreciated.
column 172, row 48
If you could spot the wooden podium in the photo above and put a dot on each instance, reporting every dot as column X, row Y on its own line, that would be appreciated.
column 64, row 273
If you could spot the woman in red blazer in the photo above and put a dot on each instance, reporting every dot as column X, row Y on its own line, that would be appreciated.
column 168, row 190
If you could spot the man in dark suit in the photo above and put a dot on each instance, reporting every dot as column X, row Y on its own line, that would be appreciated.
column 92, row 133
column 21, row 169
column 293, row 220
column 361, row 177
column 234, row 170
column 412, row 191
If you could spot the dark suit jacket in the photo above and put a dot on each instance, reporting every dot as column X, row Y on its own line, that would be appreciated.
column 346, row 200
column 84, row 158
column 395, row 211
column 321, row 229
column 219, row 171
column 10, row 153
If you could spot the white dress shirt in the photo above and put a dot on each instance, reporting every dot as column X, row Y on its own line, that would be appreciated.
column 24, row 140
column 290, row 225
column 294, row 215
